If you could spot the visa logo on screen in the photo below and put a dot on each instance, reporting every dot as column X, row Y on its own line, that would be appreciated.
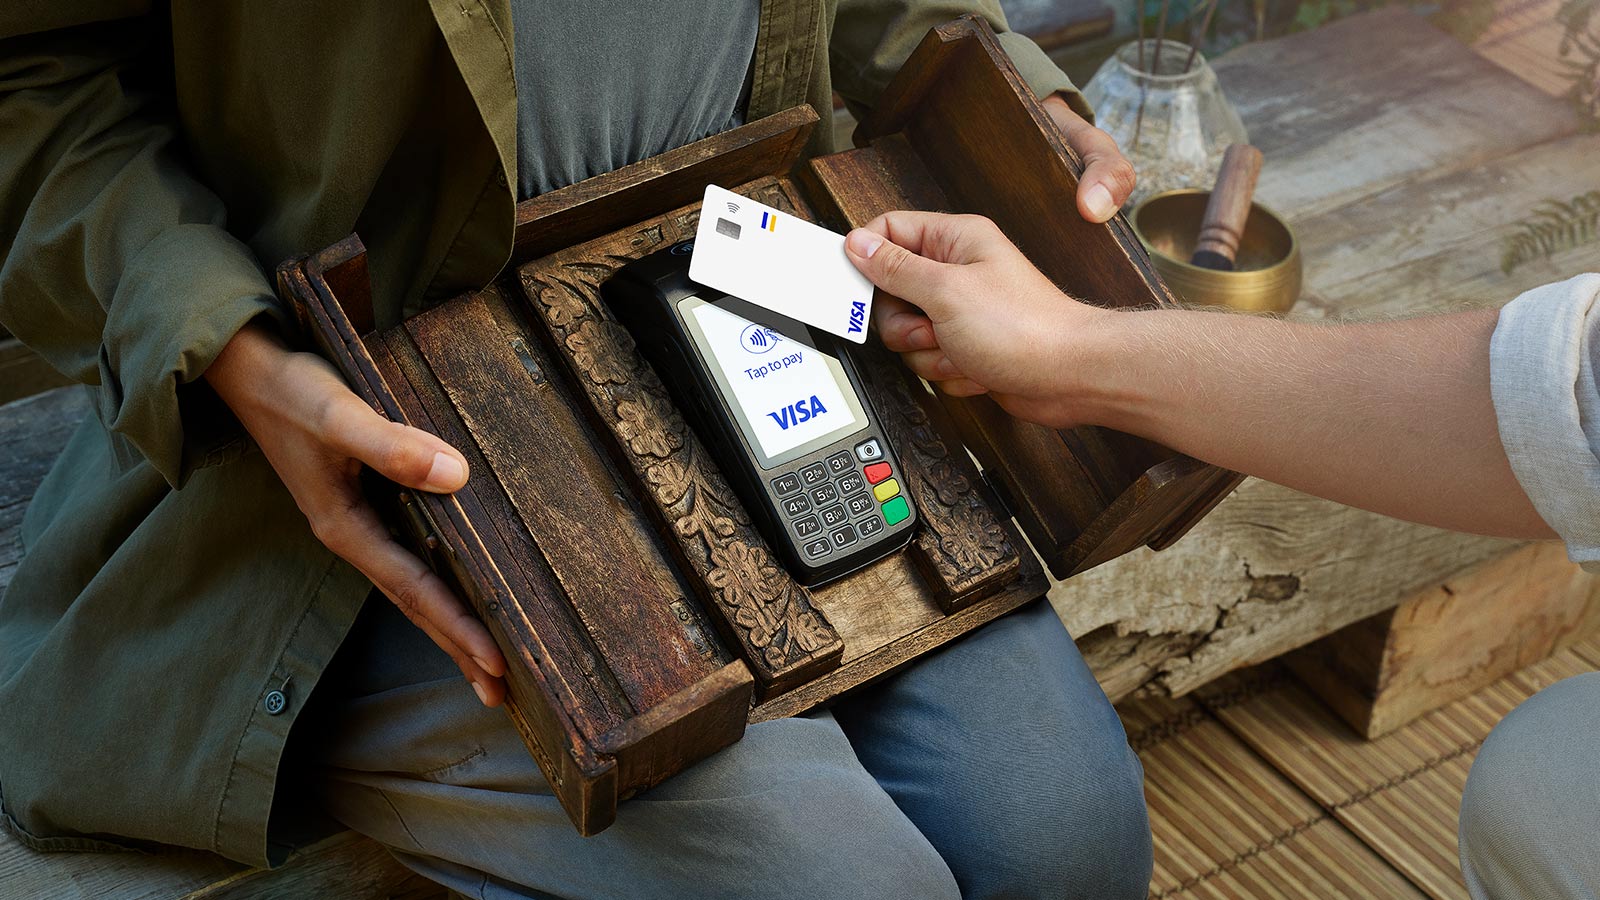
column 797, row 412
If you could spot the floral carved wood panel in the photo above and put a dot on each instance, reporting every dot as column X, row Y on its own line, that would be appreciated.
column 965, row 549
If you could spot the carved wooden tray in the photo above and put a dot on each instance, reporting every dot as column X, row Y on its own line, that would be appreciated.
column 645, row 619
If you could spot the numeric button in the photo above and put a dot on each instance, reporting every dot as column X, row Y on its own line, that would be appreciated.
column 840, row 462
column 859, row 504
column 796, row 505
column 813, row 475
column 851, row 483
column 786, row 484
column 833, row 515
column 843, row 536
column 809, row 526
column 824, row 494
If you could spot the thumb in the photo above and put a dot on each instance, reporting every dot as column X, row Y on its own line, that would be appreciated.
column 400, row 453
column 894, row 269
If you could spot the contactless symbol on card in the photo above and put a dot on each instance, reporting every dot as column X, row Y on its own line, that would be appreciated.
column 800, row 270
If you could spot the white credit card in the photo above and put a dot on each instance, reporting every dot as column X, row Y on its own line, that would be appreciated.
column 781, row 263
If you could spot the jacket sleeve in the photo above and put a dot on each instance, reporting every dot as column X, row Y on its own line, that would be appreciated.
column 115, row 264
column 873, row 38
column 1543, row 361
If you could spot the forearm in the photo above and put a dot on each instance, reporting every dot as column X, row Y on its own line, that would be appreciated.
column 1394, row 417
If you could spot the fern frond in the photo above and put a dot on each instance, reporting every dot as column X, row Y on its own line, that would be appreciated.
column 1554, row 226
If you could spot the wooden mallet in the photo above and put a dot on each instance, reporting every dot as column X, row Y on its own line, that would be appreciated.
column 1228, row 209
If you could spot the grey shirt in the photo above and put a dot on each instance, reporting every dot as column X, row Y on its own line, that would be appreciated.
column 601, row 85
column 1542, row 371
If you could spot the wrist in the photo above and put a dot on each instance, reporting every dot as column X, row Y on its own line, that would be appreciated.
column 1104, row 358
column 241, row 370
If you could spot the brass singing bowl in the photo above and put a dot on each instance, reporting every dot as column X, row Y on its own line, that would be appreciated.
column 1267, row 273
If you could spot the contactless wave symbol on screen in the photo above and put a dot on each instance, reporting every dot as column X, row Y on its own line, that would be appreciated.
column 758, row 338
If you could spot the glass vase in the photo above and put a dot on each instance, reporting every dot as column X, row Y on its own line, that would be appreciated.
column 1167, row 113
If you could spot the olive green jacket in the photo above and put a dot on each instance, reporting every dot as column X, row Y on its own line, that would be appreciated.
column 154, row 166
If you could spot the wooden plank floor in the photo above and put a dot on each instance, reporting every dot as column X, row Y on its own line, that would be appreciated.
column 1258, row 790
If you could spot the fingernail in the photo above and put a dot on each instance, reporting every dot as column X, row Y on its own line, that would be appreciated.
column 483, row 695
column 863, row 243
column 1099, row 201
column 447, row 472
column 483, row 665
column 920, row 338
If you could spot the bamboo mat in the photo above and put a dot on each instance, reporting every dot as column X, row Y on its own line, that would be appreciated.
column 1398, row 795
column 1227, row 825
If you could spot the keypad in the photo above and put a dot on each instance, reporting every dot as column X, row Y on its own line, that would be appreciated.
column 831, row 506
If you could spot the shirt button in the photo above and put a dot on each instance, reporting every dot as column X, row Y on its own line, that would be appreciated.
column 275, row 702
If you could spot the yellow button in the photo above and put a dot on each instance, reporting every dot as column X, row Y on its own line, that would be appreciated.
column 885, row 490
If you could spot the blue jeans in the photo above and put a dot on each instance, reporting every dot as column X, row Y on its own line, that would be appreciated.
column 992, row 768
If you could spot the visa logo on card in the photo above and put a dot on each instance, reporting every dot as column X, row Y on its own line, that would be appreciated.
column 781, row 263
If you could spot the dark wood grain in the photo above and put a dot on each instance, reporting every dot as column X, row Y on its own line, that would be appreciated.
column 604, row 556
column 542, row 705
column 595, row 206
column 1154, row 507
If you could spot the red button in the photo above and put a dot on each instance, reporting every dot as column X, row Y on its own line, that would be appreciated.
column 877, row 472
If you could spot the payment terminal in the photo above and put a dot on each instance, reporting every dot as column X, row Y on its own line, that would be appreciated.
column 780, row 407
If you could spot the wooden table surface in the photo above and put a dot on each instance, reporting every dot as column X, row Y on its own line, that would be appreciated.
column 1403, row 161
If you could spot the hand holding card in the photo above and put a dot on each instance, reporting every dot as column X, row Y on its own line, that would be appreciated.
column 781, row 263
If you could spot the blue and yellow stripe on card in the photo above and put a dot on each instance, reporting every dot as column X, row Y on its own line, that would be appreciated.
column 769, row 222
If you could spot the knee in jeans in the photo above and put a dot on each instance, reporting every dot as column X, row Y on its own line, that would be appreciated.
column 1082, row 830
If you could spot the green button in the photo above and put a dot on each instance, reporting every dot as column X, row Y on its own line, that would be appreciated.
column 896, row 511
